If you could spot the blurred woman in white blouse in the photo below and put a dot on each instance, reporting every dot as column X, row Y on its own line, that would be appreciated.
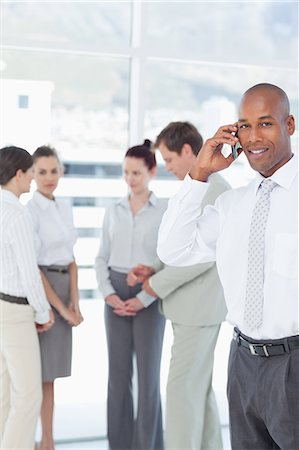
column 133, row 322
column 55, row 237
column 24, row 308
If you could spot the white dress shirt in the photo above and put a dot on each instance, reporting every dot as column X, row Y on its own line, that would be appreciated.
column 55, row 234
column 19, row 274
column 129, row 240
column 189, row 235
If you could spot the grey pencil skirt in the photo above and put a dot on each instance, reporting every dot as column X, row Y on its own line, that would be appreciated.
column 56, row 344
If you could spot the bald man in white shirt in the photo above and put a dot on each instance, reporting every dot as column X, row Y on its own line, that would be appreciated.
column 263, row 373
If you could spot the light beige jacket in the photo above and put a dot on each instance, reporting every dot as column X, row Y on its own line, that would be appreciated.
column 193, row 295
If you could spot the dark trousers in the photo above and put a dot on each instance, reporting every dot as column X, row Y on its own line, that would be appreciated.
column 143, row 335
column 263, row 396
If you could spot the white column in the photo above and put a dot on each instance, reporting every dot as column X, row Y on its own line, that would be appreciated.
column 137, row 74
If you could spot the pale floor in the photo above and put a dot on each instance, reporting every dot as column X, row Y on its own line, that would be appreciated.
column 103, row 445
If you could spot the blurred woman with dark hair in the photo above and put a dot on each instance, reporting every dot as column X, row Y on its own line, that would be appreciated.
column 24, row 308
column 133, row 322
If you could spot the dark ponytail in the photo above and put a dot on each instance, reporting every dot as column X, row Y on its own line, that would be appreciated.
column 144, row 152
column 13, row 159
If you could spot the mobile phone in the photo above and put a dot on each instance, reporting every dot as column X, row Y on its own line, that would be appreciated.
column 235, row 148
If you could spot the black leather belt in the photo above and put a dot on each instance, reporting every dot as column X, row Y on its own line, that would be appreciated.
column 263, row 348
column 58, row 269
column 14, row 299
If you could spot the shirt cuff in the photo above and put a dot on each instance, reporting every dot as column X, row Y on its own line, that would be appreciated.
column 42, row 317
column 145, row 298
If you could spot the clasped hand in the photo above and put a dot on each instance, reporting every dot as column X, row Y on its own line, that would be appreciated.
column 121, row 307
column 131, row 306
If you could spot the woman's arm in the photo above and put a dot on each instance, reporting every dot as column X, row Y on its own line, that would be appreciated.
column 55, row 301
column 74, row 292
column 102, row 259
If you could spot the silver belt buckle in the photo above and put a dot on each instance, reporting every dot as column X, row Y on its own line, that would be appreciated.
column 253, row 352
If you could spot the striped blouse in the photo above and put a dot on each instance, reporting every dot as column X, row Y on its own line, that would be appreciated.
column 19, row 273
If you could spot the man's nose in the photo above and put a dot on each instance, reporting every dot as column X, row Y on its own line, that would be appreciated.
column 255, row 134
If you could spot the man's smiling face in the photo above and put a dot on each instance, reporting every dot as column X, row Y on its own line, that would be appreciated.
column 264, row 130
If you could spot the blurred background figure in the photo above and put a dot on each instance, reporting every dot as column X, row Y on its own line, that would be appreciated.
column 133, row 322
column 192, row 298
column 23, row 305
column 55, row 236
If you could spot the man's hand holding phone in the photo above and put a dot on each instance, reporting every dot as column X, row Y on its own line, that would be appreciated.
column 210, row 159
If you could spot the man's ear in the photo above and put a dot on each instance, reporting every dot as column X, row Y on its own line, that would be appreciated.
column 187, row 150
column 291, row 124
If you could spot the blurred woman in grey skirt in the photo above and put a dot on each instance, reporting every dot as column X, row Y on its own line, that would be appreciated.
column 55, row 237
column 133, row 322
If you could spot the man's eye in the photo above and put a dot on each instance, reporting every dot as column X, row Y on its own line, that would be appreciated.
column 244, row 125
column 266, row 124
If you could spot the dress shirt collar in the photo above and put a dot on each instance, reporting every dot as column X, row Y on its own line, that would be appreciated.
column 10, row 197
column 41, row 201
column 124, row 201
column 284, row 176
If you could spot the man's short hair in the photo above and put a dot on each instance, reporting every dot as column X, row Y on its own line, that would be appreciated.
column 176, row 134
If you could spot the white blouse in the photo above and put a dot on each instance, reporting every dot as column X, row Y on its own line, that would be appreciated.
column 55, row 234
column 19, row 274
column 129, row 240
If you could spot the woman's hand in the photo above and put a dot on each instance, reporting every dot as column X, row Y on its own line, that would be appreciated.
column 118, row 305
column 133, row 305
column 69, row 315
column 74, row 308
column 42, row 327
